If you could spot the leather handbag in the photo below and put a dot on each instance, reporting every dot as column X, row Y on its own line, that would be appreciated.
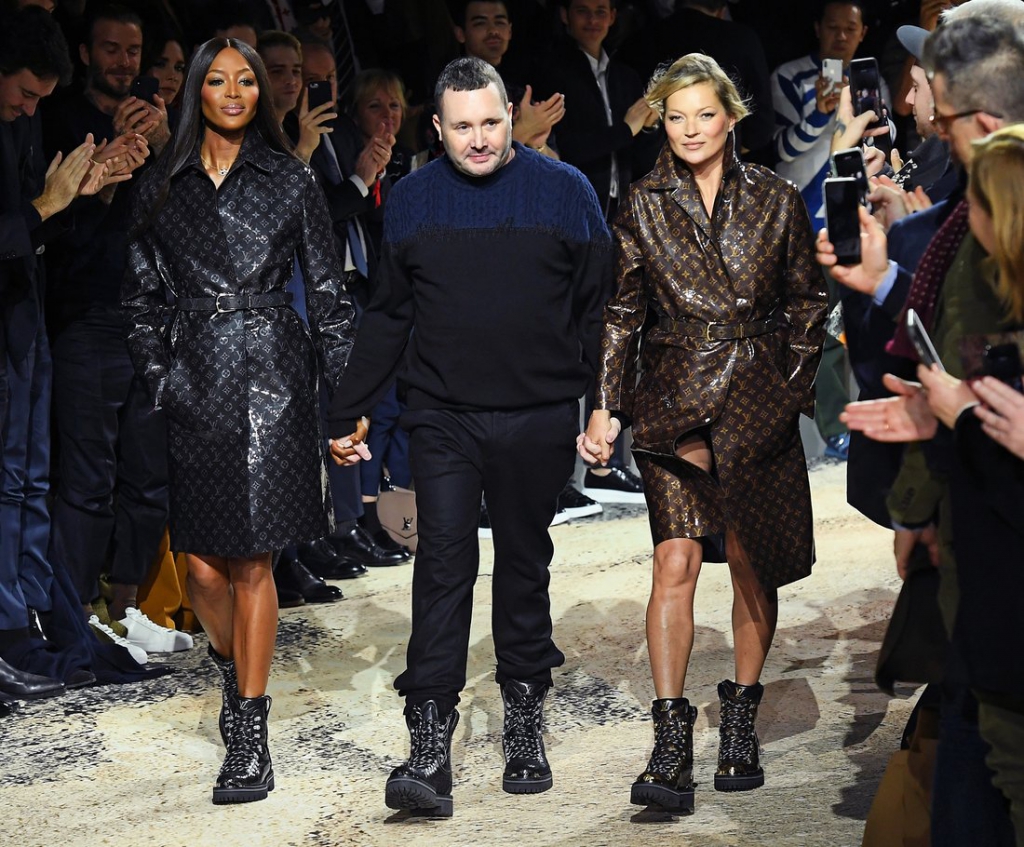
column 396, row 510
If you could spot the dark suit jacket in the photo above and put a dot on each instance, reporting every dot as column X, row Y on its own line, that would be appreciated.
column 22, row 178
column 873, row 465
column 584, row 137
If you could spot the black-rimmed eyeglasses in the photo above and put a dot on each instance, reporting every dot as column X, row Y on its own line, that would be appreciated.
column 942, row 123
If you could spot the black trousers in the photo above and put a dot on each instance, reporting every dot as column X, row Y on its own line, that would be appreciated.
column 111, row 507
column 519, row 461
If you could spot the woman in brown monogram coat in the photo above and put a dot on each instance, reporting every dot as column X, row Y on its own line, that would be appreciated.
column 719, row 301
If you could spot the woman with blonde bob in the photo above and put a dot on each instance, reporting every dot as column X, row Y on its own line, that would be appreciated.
column 720, row 304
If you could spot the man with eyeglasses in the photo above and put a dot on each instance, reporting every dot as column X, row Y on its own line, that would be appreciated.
column 975, row 60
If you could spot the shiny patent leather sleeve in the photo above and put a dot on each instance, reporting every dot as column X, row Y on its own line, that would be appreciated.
column 331, row 313
column 144, row 298
column 624, row 319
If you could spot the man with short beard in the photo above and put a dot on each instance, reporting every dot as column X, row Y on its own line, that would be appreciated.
column 494, row 270
column 111, row 438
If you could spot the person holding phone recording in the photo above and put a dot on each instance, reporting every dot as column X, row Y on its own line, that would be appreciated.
column 986, row 480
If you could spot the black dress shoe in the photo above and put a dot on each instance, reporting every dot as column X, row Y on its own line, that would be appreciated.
column 389, row 545
column 321, row 559
column 292, row 574
column 79, row 678
column 22, row 685
column 356, row 543
column 287, row 598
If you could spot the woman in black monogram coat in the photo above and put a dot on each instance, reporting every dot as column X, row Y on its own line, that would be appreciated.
column 221, row 218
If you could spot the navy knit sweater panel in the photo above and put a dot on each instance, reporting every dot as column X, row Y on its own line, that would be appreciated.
column 489, row 293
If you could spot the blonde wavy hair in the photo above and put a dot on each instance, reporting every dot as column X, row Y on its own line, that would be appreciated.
column 694, row 69
column 997, row 186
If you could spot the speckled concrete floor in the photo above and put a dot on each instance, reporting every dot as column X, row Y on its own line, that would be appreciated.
column 134, row 765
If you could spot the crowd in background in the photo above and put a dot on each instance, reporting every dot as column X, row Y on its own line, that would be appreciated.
column 88, row 584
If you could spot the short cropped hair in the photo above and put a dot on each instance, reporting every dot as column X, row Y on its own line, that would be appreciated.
column 468, row 74
column 30, row 39
column 981, row 60
column 694, row 69
column 278, row 38
column 109, row 12
column 997, row 185
column 822, row 7
column 459, row 10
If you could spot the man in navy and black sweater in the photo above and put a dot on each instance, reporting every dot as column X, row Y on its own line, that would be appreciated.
column 495, row 268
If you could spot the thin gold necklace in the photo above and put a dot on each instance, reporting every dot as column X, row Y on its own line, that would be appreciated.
column 222, row 171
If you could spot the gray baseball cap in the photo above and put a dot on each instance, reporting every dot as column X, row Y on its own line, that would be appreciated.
column 913, row 38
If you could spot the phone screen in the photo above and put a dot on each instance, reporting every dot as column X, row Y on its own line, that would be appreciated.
column 866, row 90
column 842, row 197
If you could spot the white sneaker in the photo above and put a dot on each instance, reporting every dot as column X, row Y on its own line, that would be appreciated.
column 152, row 637
column 137, row 653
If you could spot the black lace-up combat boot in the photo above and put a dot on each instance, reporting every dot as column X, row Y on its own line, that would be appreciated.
column 229, row 692
column 668, row 780
column 739, row 768
column 247, row 773
column 424, row 782
column 526, row 766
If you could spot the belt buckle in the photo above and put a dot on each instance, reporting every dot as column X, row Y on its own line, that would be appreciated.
column 219, row 310
column 707, row 331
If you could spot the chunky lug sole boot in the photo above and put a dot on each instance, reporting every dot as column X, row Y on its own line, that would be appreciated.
column 522, row 741
column 247, row 773
column 424, row 783
column 229, row 692
column 668, row 780
column 739, row 767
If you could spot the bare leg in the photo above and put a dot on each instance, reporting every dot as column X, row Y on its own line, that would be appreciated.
column 754, row 614
column 254, row 622
column 209, row 589
column 670, row 614
column 670, row 610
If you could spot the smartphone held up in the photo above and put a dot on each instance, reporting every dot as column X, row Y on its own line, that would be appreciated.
column 842, row 199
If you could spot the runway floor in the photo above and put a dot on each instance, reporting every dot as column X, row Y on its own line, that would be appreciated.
column 133, row 765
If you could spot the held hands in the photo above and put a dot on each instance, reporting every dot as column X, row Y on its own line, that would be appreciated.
column 1002, row 416
column 596, row 445
column 351, row 449
column 874, row 256
column 905, row 417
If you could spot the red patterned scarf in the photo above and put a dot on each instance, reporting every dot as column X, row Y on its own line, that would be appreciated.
column 928, row 278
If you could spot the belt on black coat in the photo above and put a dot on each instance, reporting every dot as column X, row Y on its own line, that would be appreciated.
column 234, row 302
column 719, row 331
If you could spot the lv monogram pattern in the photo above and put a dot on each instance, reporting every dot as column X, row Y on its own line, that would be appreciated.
column 753, row 257
column 239, row 388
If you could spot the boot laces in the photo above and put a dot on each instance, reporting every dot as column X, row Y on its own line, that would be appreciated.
column 738, row 741
column 522, row 735
column 244, row 747
column 427, row 738
column 669, row 745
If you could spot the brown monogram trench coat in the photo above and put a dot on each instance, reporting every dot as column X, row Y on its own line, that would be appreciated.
column 752, row 259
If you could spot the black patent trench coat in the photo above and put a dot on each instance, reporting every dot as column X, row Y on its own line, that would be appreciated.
column 239, row 388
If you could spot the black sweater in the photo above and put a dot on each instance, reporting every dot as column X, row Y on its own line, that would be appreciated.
column 489, row 293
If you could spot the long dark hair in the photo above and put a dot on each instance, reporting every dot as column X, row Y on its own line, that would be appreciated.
column 191, row 127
